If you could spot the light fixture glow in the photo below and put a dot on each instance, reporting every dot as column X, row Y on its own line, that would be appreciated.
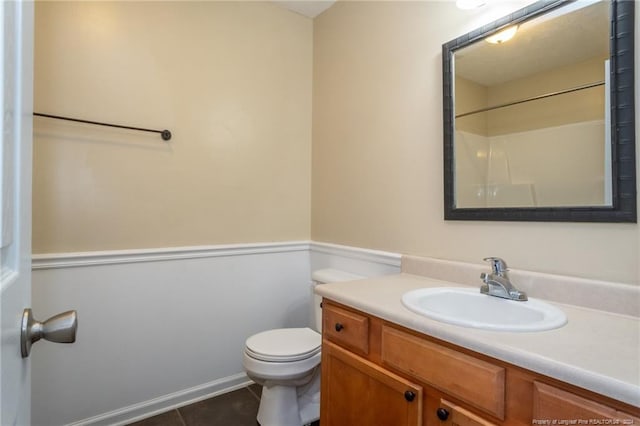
column 504, row 35
column 470, row 4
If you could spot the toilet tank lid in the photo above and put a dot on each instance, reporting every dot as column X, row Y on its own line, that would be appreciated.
column 333, row 276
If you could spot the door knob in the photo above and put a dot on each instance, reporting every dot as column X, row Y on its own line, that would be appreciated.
column 59, row 328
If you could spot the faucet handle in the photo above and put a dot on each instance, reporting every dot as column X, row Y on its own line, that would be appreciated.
column 498, row 266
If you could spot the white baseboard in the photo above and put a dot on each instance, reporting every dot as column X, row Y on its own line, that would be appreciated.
column 166, row 403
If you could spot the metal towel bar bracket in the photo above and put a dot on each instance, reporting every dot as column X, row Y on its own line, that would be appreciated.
column 166, row 134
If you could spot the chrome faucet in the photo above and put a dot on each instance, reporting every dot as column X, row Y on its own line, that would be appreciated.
column 497, row 282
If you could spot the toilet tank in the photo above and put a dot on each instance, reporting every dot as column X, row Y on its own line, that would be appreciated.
column 327, row 276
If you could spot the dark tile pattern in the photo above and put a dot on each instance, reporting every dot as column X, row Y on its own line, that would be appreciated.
column 170, row 418
column 256, row 390
column 237, row 408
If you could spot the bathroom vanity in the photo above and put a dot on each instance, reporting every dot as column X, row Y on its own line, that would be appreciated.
column 384, row 365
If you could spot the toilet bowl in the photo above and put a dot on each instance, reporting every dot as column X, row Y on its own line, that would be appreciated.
column 286, row 362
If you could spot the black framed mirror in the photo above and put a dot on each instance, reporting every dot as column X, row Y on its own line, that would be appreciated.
column 542, row 127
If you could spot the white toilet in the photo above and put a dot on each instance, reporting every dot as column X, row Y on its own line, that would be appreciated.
column 286, row 362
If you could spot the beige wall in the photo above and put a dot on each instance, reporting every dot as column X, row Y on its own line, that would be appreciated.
column 377, row 149
column 583, row 105
column 232, row 81
column 471, row 96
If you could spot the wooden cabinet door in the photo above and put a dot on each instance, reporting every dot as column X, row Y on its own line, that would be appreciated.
column 358, row 392
column 476, row 382
column 555, row 406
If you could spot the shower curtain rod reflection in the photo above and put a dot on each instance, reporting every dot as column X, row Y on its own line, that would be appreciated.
column 534, row 98
column 166, row 134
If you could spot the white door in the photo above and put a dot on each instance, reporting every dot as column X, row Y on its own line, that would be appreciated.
column 16, row 81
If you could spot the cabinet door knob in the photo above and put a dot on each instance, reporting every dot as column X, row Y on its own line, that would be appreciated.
column 442, row 414
column 339, row 327
column 409, row 396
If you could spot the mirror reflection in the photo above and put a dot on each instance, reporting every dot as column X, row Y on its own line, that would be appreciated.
column 532, row 113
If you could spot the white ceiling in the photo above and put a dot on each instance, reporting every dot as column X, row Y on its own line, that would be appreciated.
column 309, row 8
column 550, row 41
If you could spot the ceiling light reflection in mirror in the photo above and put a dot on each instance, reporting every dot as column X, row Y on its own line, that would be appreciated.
column 531, row 114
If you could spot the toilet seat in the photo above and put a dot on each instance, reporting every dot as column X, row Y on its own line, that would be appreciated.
column 284, row 345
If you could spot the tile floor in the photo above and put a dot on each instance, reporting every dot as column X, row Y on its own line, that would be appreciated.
column 237, row 408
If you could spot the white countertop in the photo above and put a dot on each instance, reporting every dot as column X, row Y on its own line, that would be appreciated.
column 596, row 350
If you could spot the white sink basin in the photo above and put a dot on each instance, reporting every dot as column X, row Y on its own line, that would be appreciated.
column 470, row 308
